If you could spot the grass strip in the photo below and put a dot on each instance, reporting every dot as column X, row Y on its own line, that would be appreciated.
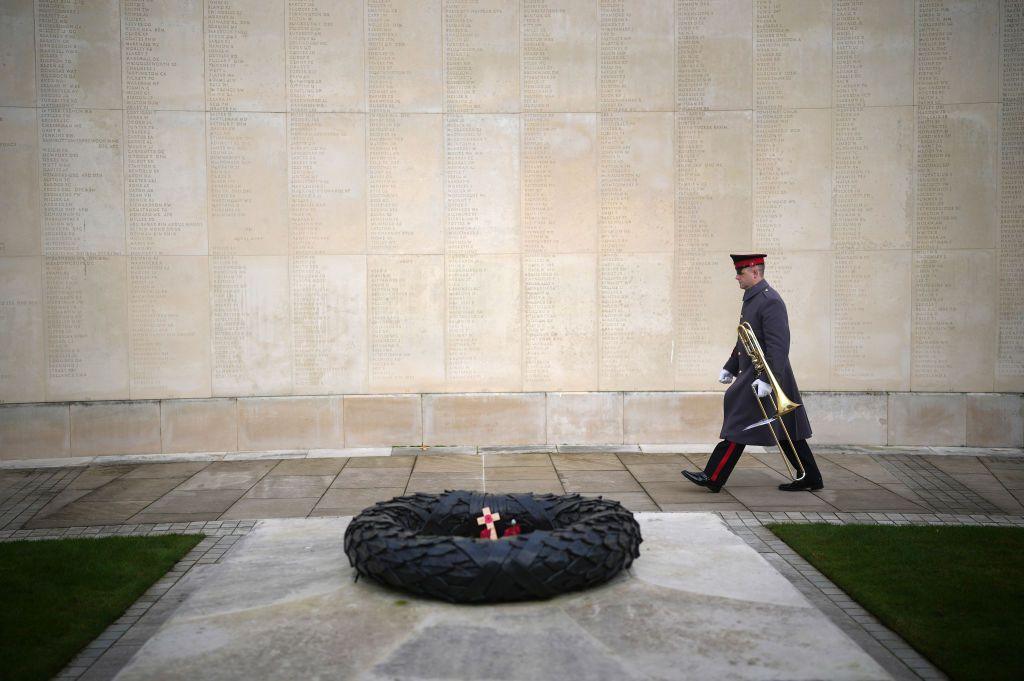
column 58, row 595
column 956, row 594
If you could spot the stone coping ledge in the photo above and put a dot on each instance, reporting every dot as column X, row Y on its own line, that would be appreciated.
column 508, row 420
column 468, row 450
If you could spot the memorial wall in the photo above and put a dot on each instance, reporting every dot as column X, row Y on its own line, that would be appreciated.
column 325, row 197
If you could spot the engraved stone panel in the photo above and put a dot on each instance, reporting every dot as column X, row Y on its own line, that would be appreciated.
column 957, row 51
column 871, row 305
column 82, row 182
column 560, row 311
column 635, row 61
column 19, row 191
column 405, row 183
column 635, row 169
column 873, row 53
column 713, row 181
column 957, row 157
column 559, row 167
column 707, row 311
column 559, row 55
column 714, row 54
column 792, row 179
column 326, row 47
column 245, row 55
column 1010, row 344
column 803, row 280
column 169, row 332
column 636, row 321
column 481, row 56
column 954, row 321
column 248, row 187
column 482, row 184
column 328, row 308
column 484, row 339
column 485, row 195
column 165, row 189
column 86, row 322
column 162, row 54
column 873, row 177
column 251, row 329
column 17, row 54
column 78, row 48
column 327, row 183
column 22, row 359
column 406, row 297
column 404, row 55
column 792, row 53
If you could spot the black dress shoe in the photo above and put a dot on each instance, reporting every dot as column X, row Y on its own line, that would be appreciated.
column 801, row 486
column 698, row 478
column 701, row 478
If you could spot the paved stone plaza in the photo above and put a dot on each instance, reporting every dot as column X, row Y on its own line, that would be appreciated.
column 223, row 495
column 209, row 487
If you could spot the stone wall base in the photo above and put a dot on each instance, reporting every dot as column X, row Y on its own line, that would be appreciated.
column 69, row 429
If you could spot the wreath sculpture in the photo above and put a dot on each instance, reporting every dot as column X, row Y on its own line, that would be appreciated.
column 430, row 545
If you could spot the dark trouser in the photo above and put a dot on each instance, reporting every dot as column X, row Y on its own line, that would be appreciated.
column 727, row 453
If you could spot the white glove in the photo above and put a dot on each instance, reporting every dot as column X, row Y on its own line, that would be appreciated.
column 725, row 377
column 762, row 388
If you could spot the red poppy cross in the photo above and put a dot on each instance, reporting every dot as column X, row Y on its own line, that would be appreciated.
column 489, row 519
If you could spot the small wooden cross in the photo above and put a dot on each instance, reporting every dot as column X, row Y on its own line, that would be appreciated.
column 489, row 519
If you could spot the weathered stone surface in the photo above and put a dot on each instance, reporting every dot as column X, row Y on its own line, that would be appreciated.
column 290, row 422
column 698, row 598
column 671, row 417
column 115, row 428
column 995, row 420
column 35, row 431
column 500, row 419
column 848, row 418
column 383, row 420
column 346, row 197
column 927, row 419
column 584, row 418
column 199, row 425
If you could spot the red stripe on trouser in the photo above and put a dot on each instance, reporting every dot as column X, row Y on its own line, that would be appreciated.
column 725, row 457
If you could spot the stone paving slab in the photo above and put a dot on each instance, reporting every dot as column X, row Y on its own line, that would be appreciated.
column 199, row 488
column 700, row 603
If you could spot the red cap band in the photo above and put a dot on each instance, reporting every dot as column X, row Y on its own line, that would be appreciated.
column 740, row 264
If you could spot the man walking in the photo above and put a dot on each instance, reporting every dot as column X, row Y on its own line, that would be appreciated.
column 764, row 310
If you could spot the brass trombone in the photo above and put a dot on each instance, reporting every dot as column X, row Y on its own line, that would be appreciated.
column 781, row 404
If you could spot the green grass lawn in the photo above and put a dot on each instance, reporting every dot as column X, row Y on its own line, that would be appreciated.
column 58, row 595
column 954, row 593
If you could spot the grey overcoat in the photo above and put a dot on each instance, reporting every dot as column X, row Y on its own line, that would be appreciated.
column 764, row 310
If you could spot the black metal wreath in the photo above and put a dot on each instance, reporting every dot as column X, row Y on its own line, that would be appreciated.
column 430, row 544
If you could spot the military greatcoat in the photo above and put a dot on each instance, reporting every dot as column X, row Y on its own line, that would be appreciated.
column 764, row 309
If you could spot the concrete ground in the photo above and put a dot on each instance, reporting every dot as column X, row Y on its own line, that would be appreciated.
column 223, row 495
column 699, row 603
column 150, row 490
